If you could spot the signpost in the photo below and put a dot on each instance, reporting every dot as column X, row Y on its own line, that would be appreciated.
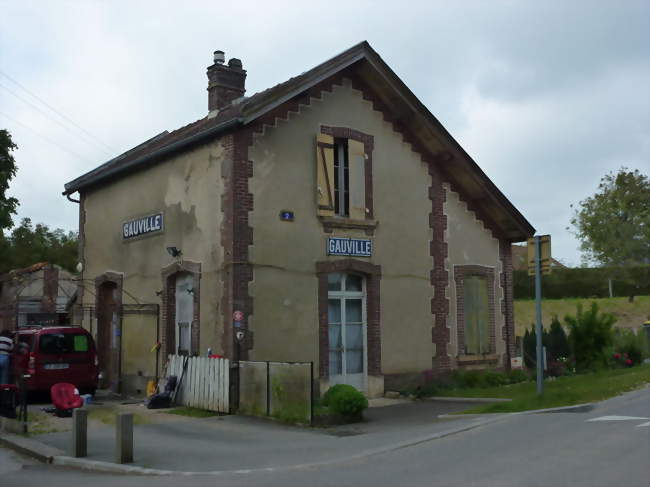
column 540, row 248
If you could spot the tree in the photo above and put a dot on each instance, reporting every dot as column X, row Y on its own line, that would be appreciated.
column 613, row 225
column 7, row 172
column 29, row 244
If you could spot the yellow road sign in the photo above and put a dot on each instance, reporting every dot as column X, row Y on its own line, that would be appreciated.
column 545, row 254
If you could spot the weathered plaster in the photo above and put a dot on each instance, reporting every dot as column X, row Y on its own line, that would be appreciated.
column 285, row 287
column 188, row 190
column 470, row 243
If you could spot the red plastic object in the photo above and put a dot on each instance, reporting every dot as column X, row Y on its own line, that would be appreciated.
column 215, row 355
column 65, row 396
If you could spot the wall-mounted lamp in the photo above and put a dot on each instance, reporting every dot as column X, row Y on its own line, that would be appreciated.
column 174, row 251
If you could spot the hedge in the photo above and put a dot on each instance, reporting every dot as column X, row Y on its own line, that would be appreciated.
column 582, row 283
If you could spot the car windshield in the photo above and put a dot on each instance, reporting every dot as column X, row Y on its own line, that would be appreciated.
column 54, row 343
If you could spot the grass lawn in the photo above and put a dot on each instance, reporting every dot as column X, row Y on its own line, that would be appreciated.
column 564, row 391
column 107, row 415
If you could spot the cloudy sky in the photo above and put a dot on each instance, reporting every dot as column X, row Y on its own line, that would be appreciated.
column 547, row 97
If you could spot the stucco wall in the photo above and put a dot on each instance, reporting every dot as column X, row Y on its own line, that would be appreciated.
column 284, row 254
column 470, row 243
column 188, row 190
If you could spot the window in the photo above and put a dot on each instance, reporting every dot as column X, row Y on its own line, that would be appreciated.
column 476, row 311
column 184, row 312
column 346, row 329
column 341, row 178
column 341, row 174
column 57, row 343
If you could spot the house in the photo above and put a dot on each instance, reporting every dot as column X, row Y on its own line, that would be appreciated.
column 330, row 218
column 40, row 294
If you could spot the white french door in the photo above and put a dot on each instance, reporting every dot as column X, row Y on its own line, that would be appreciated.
column 347, row 330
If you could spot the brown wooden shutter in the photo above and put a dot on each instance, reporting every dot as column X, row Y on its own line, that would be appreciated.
column 325, row 174
column 357, row 162
column 195, row 330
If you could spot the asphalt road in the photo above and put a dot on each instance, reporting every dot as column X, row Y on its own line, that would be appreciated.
column 608, row 445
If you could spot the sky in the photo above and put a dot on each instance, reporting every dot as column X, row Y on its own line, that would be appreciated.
column 547, row 97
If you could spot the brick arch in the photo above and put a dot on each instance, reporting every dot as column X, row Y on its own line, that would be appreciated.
column 169, row 275
column 372, row 273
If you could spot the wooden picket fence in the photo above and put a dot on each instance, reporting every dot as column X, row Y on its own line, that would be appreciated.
column 205, row 383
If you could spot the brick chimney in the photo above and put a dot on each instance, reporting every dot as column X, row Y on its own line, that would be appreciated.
column 225, row 83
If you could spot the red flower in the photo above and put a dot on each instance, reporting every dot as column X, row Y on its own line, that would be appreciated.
column 617, row 356
column 628, row 362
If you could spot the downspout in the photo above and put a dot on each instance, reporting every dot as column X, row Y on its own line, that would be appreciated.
column 80, row 264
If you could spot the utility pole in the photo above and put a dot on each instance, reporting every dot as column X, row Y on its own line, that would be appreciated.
column 538, row 315
column 539, row 261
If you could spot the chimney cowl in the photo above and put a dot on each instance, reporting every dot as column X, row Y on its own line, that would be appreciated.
column 235, row 63
column 219, row 57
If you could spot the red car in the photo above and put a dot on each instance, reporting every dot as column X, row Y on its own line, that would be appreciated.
column 50, row 355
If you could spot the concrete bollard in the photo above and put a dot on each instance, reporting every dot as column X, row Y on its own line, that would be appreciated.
column 79, row 432
column 124, row 438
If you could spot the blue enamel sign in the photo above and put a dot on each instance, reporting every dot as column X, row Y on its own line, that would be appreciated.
column 355, row 247
column 142, row 226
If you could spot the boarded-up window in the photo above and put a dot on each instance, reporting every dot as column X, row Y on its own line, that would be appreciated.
column 476, row 311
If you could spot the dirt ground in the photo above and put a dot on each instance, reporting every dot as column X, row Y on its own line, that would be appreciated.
column 102, row 411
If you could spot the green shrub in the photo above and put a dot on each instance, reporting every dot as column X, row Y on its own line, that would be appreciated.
column 630, row 347
column 345, row 400
column 584, row 282
column 466, row 379
column 333, row 391
column 493, row 378
column 517, row 375
column 469, row 379
column 590, row 335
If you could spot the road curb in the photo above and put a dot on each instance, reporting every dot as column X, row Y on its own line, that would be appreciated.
column 32, row 448
column 469, row 399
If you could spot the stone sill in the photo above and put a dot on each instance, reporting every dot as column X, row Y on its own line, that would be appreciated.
column 493, row 357
column 329, row 223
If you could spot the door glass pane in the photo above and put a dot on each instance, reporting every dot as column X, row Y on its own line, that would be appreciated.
column 354, row 361
column 335, row 337
column 334, row 311
column 353, row 311
column 184, row 337
column 353, row 282
column 353, row 337
column 334, row 281
column 335, row 363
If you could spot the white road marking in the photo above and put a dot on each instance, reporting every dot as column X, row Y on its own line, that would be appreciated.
column 617, row 418
column 643, row 424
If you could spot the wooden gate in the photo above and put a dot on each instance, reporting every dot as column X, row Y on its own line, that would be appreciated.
column 203, row 382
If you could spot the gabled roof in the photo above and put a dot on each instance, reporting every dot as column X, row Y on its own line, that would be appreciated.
column 405, row 108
